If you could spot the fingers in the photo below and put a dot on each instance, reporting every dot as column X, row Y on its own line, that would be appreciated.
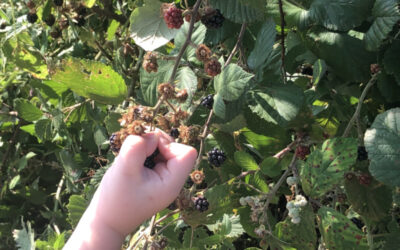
column 134, row 151
column 180, row 161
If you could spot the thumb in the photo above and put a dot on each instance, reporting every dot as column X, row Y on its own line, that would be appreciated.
column 134, row 151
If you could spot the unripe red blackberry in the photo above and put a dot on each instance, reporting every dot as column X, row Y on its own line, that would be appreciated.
column 207, row 101
column 30, row 4
column 58, row 2
column 201, row 204
column 362, row 154
column 50, row 20
column 375, row 68
column 203, row 53
column 302, row 152
column 365, row 179
column 213, row 19
column 32, row 17
column 212, row 67
column 174, row 133
column 173, row 17
column 216, row 157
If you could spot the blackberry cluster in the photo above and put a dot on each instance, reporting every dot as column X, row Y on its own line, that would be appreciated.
column 362, row 154
column 212, row 67
column 149, row 162
column 32, row 17
column 173, row 18
column 113, row 145
column 358, row 222
column 58, row 2
column 201, row 204
column 208, row 101
column 174, row 132
column 302, row 152
column 50, row 20
column 213, row 19
column 216, row 157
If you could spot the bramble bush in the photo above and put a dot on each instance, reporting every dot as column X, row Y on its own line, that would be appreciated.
column 293, row 106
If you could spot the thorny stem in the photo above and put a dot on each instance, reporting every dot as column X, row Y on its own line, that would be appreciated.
column 187, row 42
column 202, row 138
column 282, row 16
column 284, row 151
column 359, row 105
column 238, row 42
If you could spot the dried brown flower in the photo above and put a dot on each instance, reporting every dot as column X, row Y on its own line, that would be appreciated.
column 166, row 90
column 197, row 176
column 203, row 53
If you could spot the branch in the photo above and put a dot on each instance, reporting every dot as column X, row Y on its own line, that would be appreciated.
column 359, row 105
column 187, row 42
column 238, row 42
column 282, row 15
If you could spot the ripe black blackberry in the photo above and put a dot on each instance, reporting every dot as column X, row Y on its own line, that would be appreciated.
column 201, row 204
column 358, row 222
column 213, row 19
column 58, row 2
column 32, row 17
column 302, row 152
column 50, row 20
column 3, row 25
column 173, row 17
column 113, row 145
column 80, row 21
column 207, row 101
column 212, row 67
column 174, row 132
column 362, row 154
column 216, row 157
column 149, row 162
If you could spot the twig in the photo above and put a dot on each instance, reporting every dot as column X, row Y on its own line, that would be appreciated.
column 167, row 225
column 250, row 186
column 187, row 42
column 103, row 51
column 282, row 16
column 238, row 42
column 359, row 105
column 202, row 138
column 171, row 106
column 167, row 216
column 284, row 151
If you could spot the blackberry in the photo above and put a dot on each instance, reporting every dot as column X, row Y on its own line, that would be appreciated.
column 149, row 162
column 302, row 152
column 216, row 157
column 362, row 154
column 58, row 2
column 3, row 26
column 50, row 20
column 201, row 204
column 358, row 222
column 113, row 143
column 203, row 53
column 32, row 17
column 364, row 179
column 208, row 101
column 213, row 19
column 150, row 62
column 173, row 18
column 56, row 33
column 174, row 132
column 307, row 71
column 81, row 10
column 212, row 67
column 80, row 21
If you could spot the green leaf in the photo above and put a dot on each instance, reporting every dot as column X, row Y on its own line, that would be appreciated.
column 263, row 47
column 289, row 233
column 238, row 12
column 295, row 16
column 14, row 182
column 91, row 79
column 373, row 201
column 24, row 238
column 343, row 53
column 27, row 110
column 198, row 36
column 386, row 14
column 219, row 106
column 89, row 3
column 150, row 81
column 391, row 60
column 325, row 167
column 231, row 82
column 100, row 135
column 245, row 161
column 76, row 207
column 112, row 123
column 270, row 166
column 341, row 15
column 112, row 29
column 388, row 87
column 278, row 104
column 186, row 79
column 229, row 226
column 338, row 232
column 382, row 142
column 148, row 28
column 319, row 70
column 258, row 180
column 43, row 129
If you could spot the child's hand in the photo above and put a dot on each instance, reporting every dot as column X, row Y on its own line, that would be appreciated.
column 130, row 193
